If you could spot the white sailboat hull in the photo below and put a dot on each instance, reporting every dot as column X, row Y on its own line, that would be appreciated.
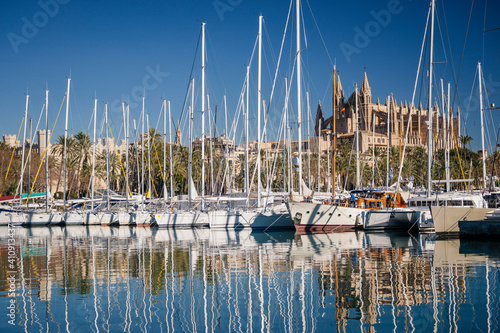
column 180, row 219
column 231, row 218
column 402, row 219
column 320, row 217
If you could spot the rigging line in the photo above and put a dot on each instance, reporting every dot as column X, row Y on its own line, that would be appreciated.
column 413, row 99
column 320, row 35
column 470, row 100
column 441, row 32
column 463, row 53
column 279, row 57
column 12, row 156
column 45, row 152
column 452, row 66
column 210, row 47
column 186, row 96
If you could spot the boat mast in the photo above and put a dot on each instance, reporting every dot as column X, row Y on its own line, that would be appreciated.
column 480, row 74
column 203, row 115
column 210, row 143
column 334, row 135
column 142, row 152
column 65, row 153
column 247, row 184
column 93, row 155
column 429, row 107
column 388, row 143
column 319, row 153
column 190, row 158
column 170, row 151
column 358, row 177
column 137, row 157
column 299, row 102
column 259, row 97
column 126, row 123
column 445, row 141
column 165, row 195
column 126, row 161
column 24, row 144
column 308, row 141
column 150, row 142
column 46, row 151
column 107, row 153
column 373, row 153
column 227, row 147
column 285, row 141
column 448, row 143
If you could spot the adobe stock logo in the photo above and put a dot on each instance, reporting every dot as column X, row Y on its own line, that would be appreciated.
column 222, row 6
column 30, row 28
column 154, row 77
column 372, row 29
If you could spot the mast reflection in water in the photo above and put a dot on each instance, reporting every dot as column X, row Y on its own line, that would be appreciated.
column 93, row 279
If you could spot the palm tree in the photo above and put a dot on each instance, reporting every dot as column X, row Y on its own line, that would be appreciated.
column 83, row 146
column 465, row 140
column 58, row 150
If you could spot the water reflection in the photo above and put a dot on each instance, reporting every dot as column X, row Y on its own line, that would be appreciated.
column 92, row 279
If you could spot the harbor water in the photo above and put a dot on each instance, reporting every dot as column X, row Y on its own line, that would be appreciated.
column 134, row 279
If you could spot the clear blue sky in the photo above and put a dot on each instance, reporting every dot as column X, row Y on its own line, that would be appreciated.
column 115, row 50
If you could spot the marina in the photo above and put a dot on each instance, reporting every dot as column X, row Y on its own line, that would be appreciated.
column 217, row 167
column 93, row 278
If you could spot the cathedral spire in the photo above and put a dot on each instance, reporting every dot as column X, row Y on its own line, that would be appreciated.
column 365, row 86
column 178, row 135
column 366, row 91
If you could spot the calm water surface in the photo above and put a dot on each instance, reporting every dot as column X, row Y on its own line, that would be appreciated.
column 100, row 279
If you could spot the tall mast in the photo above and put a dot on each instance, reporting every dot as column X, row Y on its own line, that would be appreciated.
column 285, row 140
column 308, row 141
column 150, row 142
column 259, row 97
column 210, row 143
column 24, row 144
column 190, row 134
column 137, row 158
column 445, row 141
column 66, row 144
column 289, row 139
column 334, row 129
column 358, row 177
column 126, row 125
column 448, row 144
column 299, row 102
column 429, row 107
column 29, row 155
column 47, row 151
column 124, row 112
column 170, row 151
column 373, row 155
column 227, row 145
column 93, row 154
column 247, row 185
column 319, row 153
column 142, row 151
column 165, row 195
column 107, row 152
column 388, row 143
column 480, row 74
column 202, row 114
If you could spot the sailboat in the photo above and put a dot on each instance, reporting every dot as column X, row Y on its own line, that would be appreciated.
column 190, row 217
column 461, row 202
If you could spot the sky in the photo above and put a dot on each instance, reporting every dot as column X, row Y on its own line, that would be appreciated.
column 119, row 51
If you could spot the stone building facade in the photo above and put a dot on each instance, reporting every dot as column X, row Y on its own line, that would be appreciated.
column 373, row 120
